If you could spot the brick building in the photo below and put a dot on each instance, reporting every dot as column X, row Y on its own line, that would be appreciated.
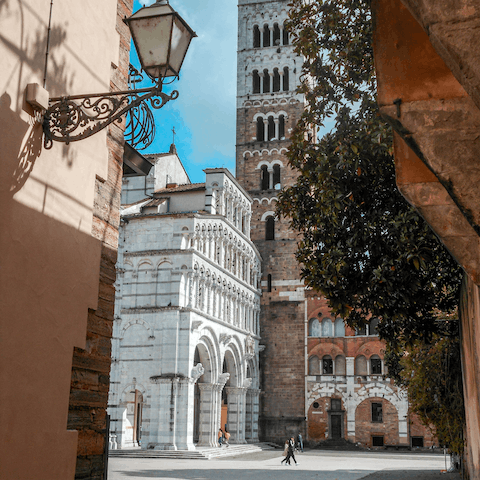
column 317, row 377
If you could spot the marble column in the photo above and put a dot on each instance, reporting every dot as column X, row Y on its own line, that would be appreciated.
column 208, row 430
column 236, row 397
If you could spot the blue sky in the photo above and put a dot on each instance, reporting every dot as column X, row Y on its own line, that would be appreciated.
column 204, row 113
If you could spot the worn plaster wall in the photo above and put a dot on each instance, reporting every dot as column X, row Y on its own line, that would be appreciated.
column 58, row 240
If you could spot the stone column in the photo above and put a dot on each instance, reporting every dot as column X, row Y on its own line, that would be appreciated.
column 265, row 129
column 171, row 414
column 277, row 133
column 255, row 396
column 208, row 430
column 236, row 413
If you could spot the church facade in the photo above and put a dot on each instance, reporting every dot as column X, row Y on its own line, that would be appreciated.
column 186, row 343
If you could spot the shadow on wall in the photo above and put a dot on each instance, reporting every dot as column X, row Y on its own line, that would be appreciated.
column 16, row 135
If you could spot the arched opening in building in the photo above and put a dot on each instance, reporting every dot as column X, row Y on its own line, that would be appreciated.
column 339, row 327
column 375, row 365
column 276, row 176
column 313, row 365
column 372, row 326
column 224, row 405
column 265, row 178
column 361, row 366
column 327, row 327
column 255, row 82
column 201, row 355
column 327, row 365
column 276, row 80
column 285, row 35
column 260, row 129
column 256, row 36
column 340, row 365
column 270, row 228
column 314, row 329
column 271, row 128
column 266, row 36
column 281, row 127
column 276, row 35
column 266, row 81
column 286, row 79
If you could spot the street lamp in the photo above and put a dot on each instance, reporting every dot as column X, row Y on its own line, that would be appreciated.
column 161, row 38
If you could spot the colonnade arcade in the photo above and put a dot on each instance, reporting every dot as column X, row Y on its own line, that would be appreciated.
column 216, row 296
column 224, row 395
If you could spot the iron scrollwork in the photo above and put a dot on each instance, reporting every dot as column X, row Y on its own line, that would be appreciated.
column 76, row 117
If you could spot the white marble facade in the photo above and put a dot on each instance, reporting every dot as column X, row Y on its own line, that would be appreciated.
column 186, row 329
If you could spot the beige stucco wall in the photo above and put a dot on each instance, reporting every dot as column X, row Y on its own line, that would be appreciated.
column 49, row 270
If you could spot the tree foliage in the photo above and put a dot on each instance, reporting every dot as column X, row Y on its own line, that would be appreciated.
column 361, row 244
column 433, row 378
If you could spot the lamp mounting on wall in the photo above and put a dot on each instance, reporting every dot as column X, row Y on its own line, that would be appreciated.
column 161, row 38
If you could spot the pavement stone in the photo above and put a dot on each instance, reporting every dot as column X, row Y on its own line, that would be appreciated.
column 313, row 465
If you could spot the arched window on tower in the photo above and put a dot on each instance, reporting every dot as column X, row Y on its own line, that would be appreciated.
column 276, row 80
column 285, row 35
column 266, row 81
column 256, row 37
column 286, row 79
column 266, row 36
column 270, row 228
column 260, row 130
column 271, row 128
column 281, row 127
column 255, row 82
column 276, row 35
column 265, row 177
column 276, row 176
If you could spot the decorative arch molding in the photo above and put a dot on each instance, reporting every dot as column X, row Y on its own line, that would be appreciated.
column 327, row 348
column 143, row 261
column 208, row 340
column 270, row 213
column 128, row 388
column 137, row 321
column 373, row 347
column 268, row 201
column 164, row 261
column 265, row 151
column 269, row 164
column 326, row 391
column 397, row 398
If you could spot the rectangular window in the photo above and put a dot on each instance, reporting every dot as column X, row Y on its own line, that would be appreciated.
column 377, row 413
column 417, row 442
column 377, row 441
column 376, row 365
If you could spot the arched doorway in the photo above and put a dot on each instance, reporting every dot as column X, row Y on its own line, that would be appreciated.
column 224, row 402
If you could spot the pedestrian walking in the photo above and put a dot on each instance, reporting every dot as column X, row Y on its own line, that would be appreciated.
column 300, row 442
column 291, row 451
column 285, row 453
column 220, row 437
column 227, row 437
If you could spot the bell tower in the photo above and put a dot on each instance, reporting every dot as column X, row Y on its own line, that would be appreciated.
column 267, row 109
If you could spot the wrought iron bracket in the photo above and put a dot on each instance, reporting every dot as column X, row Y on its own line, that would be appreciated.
column 73, row 118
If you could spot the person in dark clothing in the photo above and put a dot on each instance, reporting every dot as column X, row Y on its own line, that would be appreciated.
column 291, row 451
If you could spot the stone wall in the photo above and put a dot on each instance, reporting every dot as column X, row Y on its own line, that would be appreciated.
column 91, row 365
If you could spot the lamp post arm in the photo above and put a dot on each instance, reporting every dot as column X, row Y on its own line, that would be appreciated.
column 73, row 118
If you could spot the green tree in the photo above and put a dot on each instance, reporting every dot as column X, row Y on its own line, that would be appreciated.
column 360, row 243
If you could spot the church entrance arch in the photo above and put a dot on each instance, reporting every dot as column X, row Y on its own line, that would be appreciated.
column 204, row 411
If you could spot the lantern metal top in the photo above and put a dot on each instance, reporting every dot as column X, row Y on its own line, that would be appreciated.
column 161, row 37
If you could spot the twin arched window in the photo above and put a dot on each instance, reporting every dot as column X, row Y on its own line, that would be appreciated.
column 369, row 329
column 269, row 37
column 326, row 328
column 327, row 365
column 362, row 366
column 269, row 178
